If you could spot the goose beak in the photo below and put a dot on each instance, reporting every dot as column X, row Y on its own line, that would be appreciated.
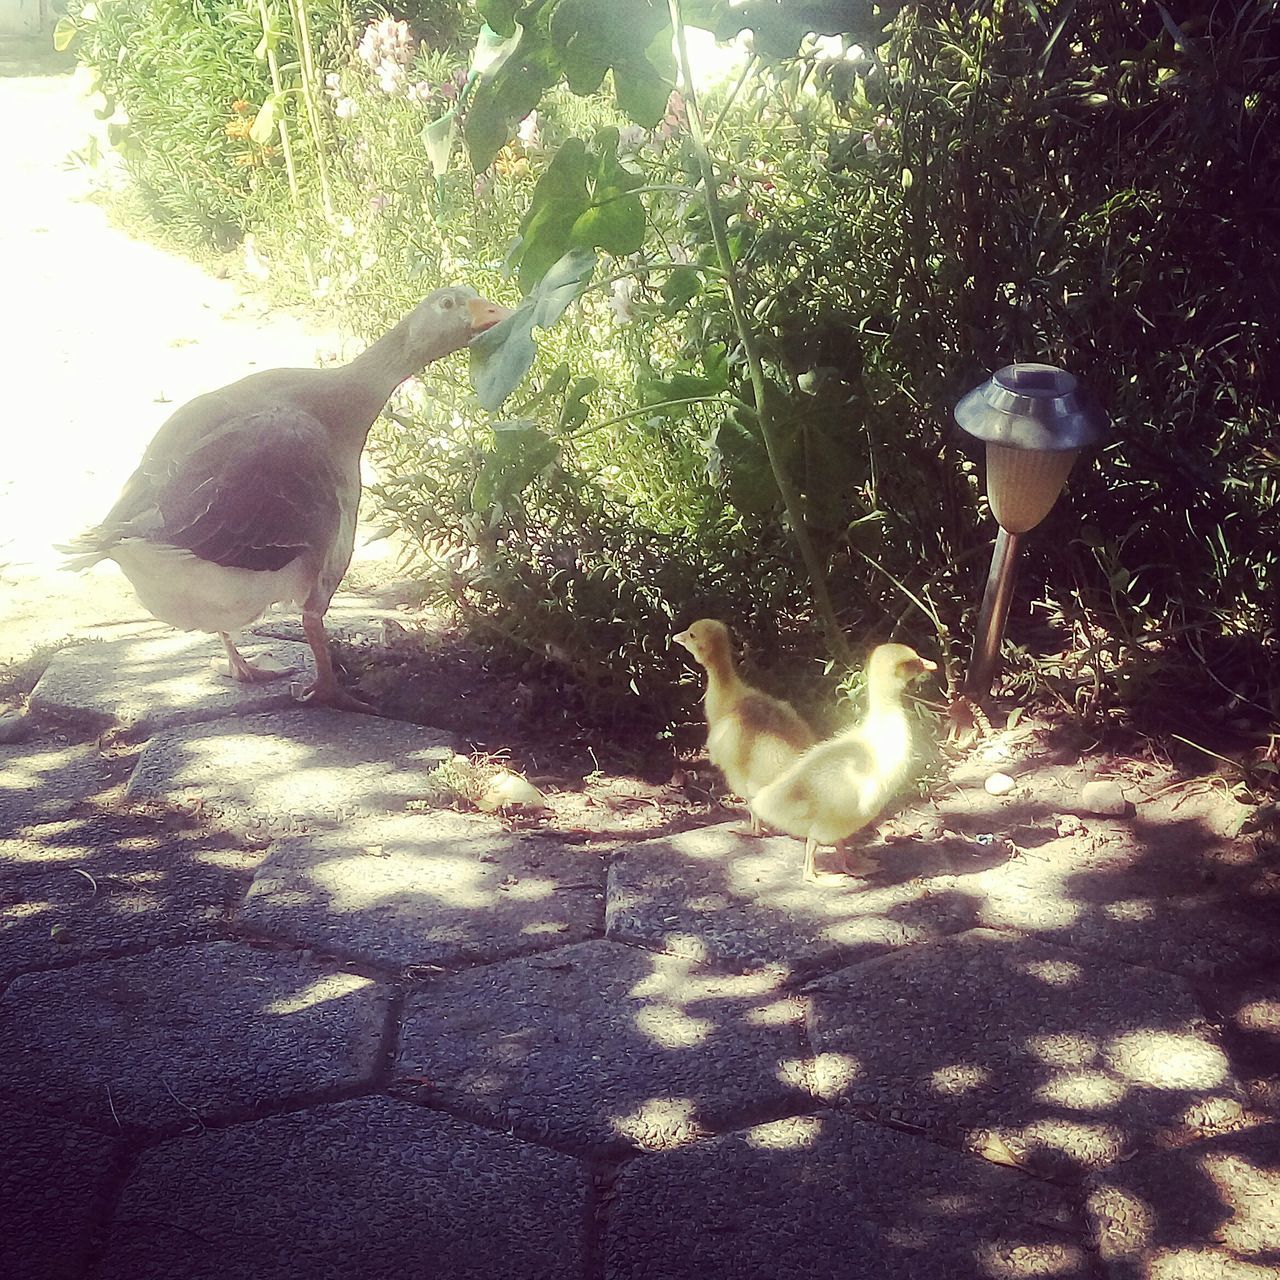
column 485, row 314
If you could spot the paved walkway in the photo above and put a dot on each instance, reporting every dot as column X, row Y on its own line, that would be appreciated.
column 267, row 1013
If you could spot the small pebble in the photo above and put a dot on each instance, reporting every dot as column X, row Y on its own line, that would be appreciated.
column 510, row 790
column 999, row 784
column 60, row 934
column 1104, row 798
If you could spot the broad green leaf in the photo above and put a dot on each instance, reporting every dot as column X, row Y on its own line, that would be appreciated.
column 520, row 451
column 642, row 92
column 505, row 96
column 680, row 288
column 574, row 411
column 559, row 200
column 264, row 123
column 63, row 34
column 502, row 356
column 584, row 200
column 437, row 138
column 779, row 28
column 558, row 288
column 593, row 36
column 500, row 15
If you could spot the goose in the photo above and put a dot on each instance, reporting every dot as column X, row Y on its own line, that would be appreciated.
column 752, row 737
column 840, row 786
column 247, row 496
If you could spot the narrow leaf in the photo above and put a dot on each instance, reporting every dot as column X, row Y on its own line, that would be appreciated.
column 437, row 138
column 63, row 34
column 263, row 128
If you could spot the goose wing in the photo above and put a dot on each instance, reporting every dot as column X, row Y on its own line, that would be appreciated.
column 252, row 492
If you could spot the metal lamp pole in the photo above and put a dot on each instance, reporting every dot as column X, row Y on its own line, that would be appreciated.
column 1034, row 419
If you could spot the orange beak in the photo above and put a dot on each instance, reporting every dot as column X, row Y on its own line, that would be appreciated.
column 485, row 314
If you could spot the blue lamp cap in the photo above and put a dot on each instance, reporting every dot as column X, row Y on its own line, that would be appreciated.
column 1033, row 406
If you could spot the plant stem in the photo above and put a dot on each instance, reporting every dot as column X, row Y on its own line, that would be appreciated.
column 653, row 408
column 836, row 640
column 307, row 69
column 277, row 88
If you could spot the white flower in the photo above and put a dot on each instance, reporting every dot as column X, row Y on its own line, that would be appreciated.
column 622, row 296
column 527, row 131
column 345, row 108
column 632, row 139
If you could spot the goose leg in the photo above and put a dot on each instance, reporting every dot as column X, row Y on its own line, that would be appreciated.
column 238, row 667
column 324, row 690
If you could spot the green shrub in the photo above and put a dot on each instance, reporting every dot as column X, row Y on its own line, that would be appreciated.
column 908, row 208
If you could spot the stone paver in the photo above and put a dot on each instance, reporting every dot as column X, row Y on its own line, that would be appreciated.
column 103, row 885
column 437, row 888
column 1064, row 1061
column 603, row 1047
column 1097, row 899
column 200, row 1031
column 374, row 1188
column 717, row 895
column 1210, row 1211
column 52, row 1179
column 150, row 681
column 1250, row 1014
column 45, row 780
column 290, row 771
column 828, row 1196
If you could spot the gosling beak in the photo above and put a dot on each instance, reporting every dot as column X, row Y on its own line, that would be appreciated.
column 683, row 638
column 927, row 665
column 485, row 314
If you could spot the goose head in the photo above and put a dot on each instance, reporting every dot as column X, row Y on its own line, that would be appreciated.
column 446, row 320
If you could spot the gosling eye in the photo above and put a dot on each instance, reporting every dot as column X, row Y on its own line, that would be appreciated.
column 448, row 302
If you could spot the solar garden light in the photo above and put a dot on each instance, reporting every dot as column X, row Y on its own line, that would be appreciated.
column 1034, row 420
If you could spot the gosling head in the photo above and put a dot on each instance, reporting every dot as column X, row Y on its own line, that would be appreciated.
column 707, row 640
column 892, row 667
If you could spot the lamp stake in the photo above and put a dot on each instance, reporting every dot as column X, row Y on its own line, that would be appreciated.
column 991, row 617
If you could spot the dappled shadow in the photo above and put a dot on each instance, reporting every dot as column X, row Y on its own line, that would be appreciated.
column 602, row 1048
column 434, row 889
column 828, row 1196
column 896, row 1105
column 80, row 877
column 1030, row 1054
column 717, row 895
column 1180, row 1212
column 149, row 681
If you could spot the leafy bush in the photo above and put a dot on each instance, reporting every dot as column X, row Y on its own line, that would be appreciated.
column 923, row 195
